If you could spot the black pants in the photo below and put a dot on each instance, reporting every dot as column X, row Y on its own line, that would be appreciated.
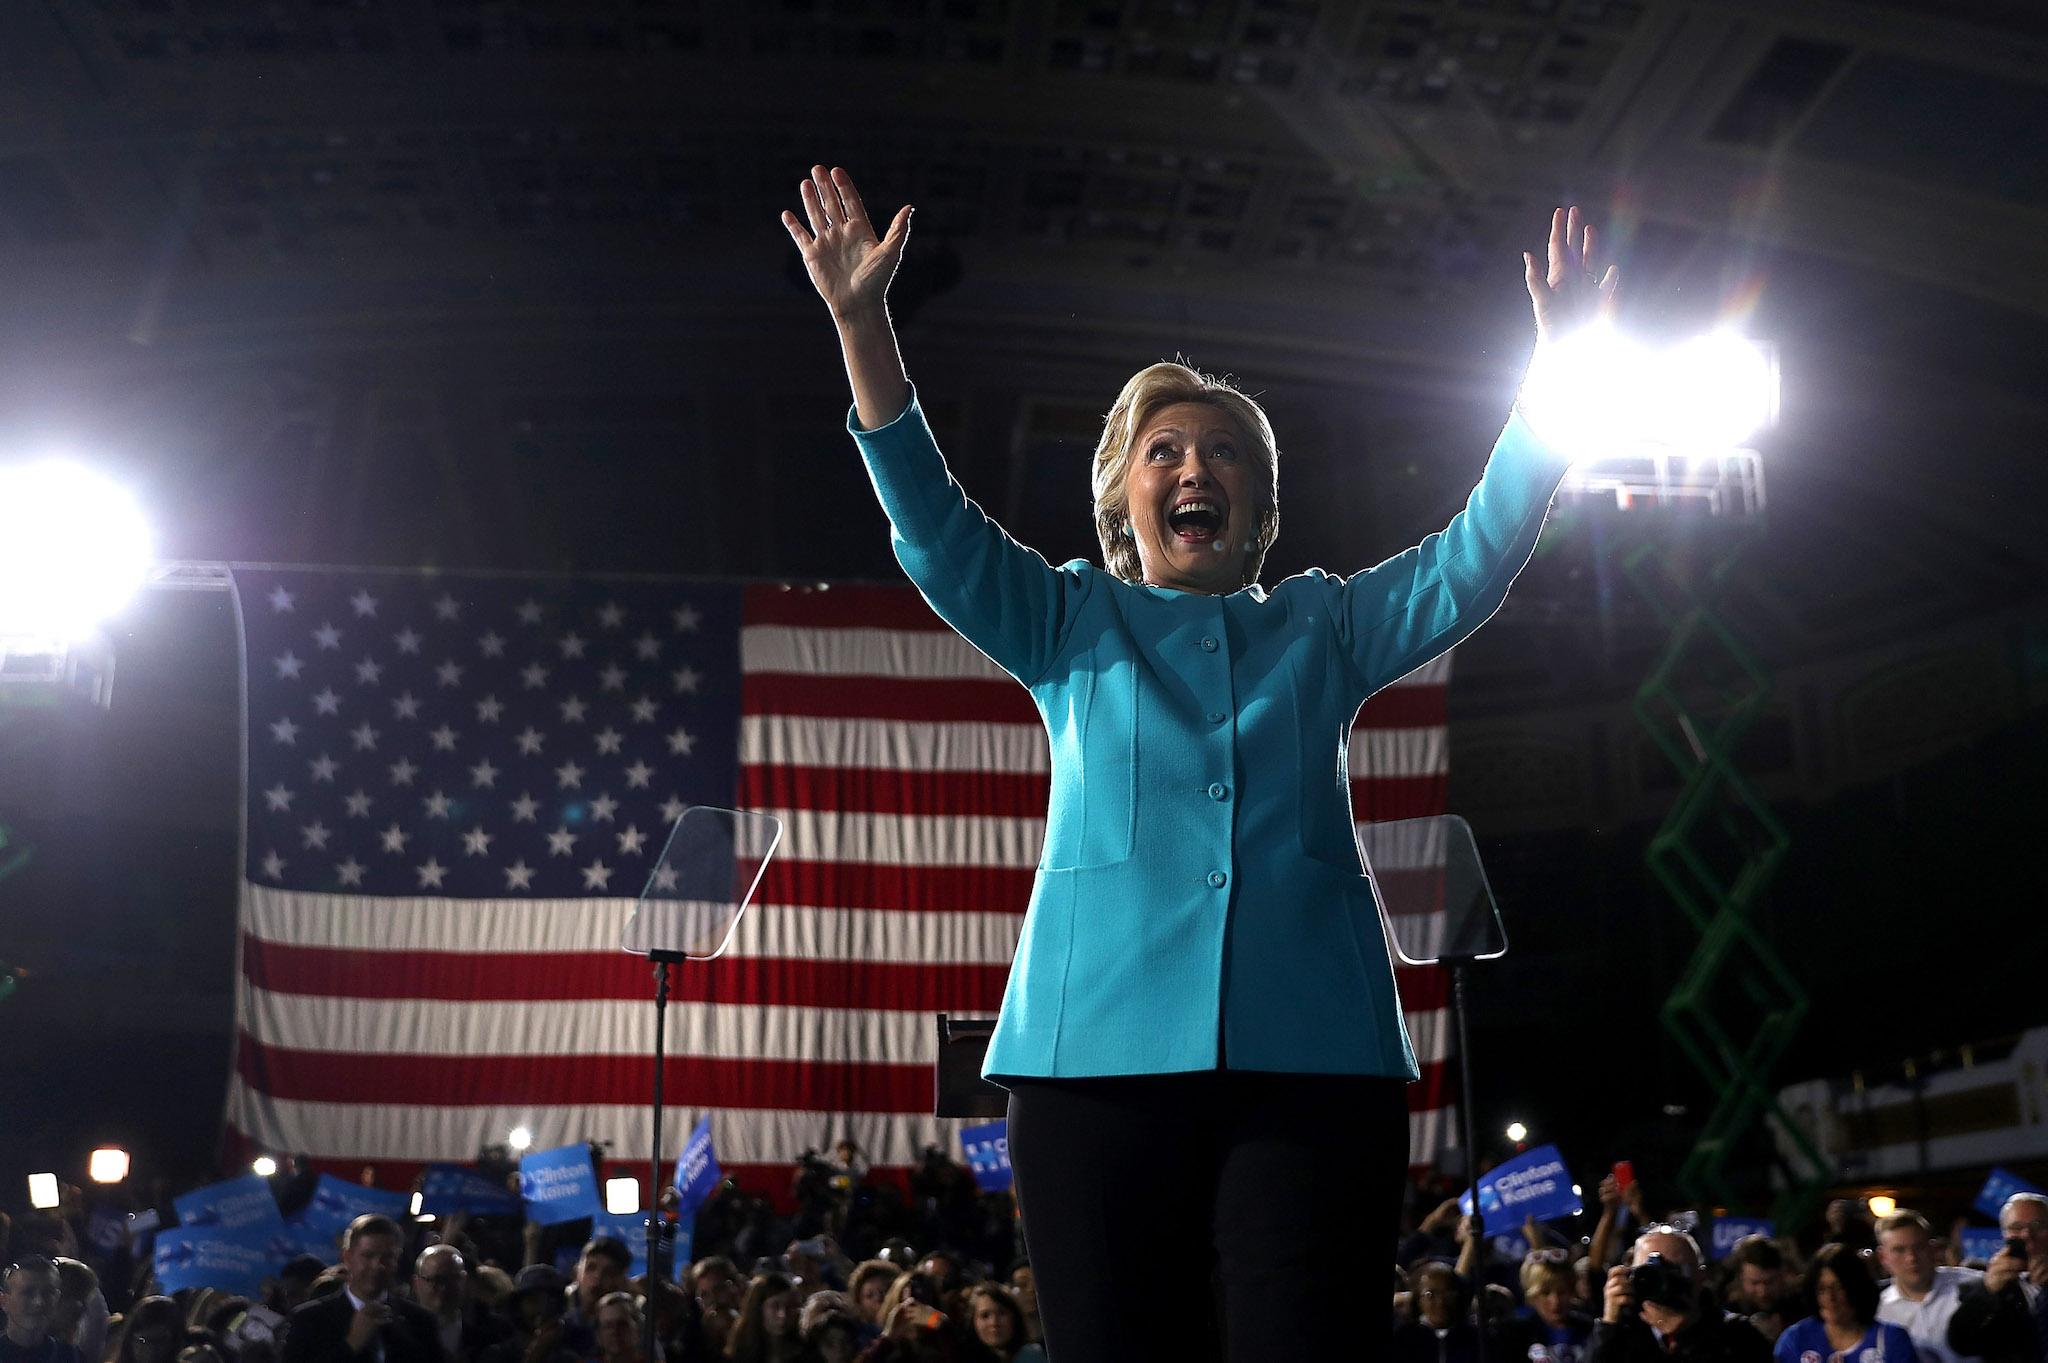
column 1137, row 1193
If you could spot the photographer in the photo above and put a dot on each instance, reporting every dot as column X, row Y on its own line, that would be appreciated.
column 1657, row 1305
column 1996, row 1316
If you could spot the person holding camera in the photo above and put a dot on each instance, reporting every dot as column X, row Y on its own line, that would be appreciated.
column 1657, row 1305
column 1999, row 1317
column 1844, row 1327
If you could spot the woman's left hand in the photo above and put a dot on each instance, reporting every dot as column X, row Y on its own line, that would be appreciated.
column 1572, row 291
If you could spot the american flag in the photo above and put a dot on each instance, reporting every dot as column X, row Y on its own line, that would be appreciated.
column 456, row 786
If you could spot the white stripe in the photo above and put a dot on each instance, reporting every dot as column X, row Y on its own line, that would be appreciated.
column 1435, row 672
column 548, row 926
column 910, row 839
column 589, row 1027
column 370, row 1131
column 1432, row 1134
column 605, row 1027
column 1399, row 752
column 892, row 745
column 863, row 652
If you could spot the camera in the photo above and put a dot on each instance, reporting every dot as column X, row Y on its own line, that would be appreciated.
column 1664, row 1283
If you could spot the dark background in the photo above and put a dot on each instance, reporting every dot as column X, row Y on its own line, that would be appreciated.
column 468, row 284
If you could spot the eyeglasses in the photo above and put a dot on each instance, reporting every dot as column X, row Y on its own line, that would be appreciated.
column 1555, row 1254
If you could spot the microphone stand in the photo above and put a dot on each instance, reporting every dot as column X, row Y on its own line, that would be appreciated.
column 657, row 1229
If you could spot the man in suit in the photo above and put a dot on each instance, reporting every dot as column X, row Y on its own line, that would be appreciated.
column 465, row 1327
column 366, row 1322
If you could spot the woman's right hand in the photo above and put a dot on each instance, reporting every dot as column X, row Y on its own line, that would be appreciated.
column 848, row 264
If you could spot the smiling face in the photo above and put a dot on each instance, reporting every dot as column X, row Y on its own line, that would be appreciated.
column 1192, row 499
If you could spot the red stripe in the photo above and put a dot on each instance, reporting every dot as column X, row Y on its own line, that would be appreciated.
column 930, row 700
column 871, row 885
column 492, row 1080
column 1433, row 1089
column 1382, row 799
column 840, row 607
column 1424, row 988
column 1406, row 707
column 479, row 977
column 869, row 791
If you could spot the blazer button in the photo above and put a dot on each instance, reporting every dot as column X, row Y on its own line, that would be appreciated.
column 1208, row 644
column 1217, row 879
column 1217, row 716
column 1217, row 790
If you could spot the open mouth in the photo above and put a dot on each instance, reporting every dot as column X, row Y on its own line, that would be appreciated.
column 1196, row 522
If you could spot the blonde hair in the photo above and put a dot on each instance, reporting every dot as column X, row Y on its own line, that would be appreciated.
column 1148, row 392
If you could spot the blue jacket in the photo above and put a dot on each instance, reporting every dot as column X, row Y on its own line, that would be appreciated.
column 1200, row 901
column 1806, row 1341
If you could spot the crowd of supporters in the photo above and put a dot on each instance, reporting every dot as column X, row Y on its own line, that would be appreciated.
column 841, row 1277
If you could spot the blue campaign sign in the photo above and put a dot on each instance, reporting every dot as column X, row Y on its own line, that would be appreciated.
column 559, row 1185
column 336, row 1202
column 1729, row 1229
column 697, row 1171
column 209, row 1255
column 987, row 1149
column 1980, row 1243
column 1509, row 1246
column 239, row 1202
column 630, row 1230
column 2002, row 1184
column 294, row 1240
column 455, row 1188
column 1534, row 1183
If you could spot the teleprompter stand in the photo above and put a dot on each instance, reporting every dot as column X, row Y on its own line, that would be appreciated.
column 1438, row 910
column 690, row 911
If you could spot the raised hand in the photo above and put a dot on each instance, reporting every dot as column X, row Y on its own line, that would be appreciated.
column 1572, row 291
column 848, row 264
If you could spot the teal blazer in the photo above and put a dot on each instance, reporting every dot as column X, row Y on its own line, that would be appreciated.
column 1200, row 901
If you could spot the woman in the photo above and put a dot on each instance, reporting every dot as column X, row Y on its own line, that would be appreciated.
column 1552, row 1332
column 998, row 1324
column 1844, row 1327
column 1201, row 1015
column 766, row 1331
column 152, row 1333
column 866, row 1288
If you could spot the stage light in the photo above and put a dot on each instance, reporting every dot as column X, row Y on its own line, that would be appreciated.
column 73, row 548
column 1883, row 1205
column 1517, row 1132
column 108, row 1164
column 1577, row 1191
column 263, row 1166
column 42, row 1192
column 419, row 1200
column 1601, row 394
column 621, row 1195
column 520, row 1139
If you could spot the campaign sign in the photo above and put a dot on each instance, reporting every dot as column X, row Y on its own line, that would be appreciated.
column 1980, row 1243
column 697, row 1171
column 1509, row 1245
column 1729, row 1229
column 336, row 1202
column 239, row 1202
column 630, row 1230
column 296, row 1239
column 236, row 1260
column 559, row 1185
column 1534, row 1183
column 453, row 1188
column 2002, row 1184
column 987, row 1149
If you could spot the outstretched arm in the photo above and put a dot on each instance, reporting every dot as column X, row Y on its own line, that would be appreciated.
column 852, row 269
column 1000, row 596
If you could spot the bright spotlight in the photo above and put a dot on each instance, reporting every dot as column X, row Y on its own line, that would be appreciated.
column 521, row 1138
column 263, row 1166
column 73, row 548
column 108, row 1164
column 42, row 1192
column 1600, row 394
column 1517, row 1132
column 621, row 1195
column 419, row 1200
column 1883, row 1205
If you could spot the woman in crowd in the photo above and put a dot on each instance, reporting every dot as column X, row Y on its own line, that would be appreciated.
column 998, row 1324
column 866, row 1288
column 1553, row 1331
column 1201, row 1014
column 152, row 1333
column 766, row 1331
column 1844, row 1327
